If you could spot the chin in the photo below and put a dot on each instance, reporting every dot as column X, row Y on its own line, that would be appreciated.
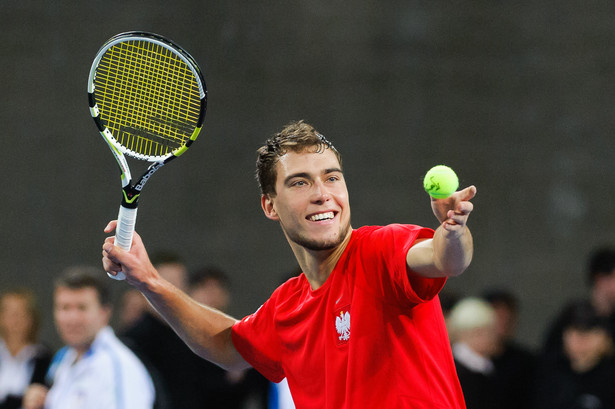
column 320, row 244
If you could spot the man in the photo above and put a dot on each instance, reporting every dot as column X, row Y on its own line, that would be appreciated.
column 174, row 367
column 95, row 370
column 601, row 276
column 514, row 363
column 362, row 326
column 222, row 389
column 601, row 280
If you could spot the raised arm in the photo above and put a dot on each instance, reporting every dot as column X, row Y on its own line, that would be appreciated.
column 205, row 330
column 450, row 250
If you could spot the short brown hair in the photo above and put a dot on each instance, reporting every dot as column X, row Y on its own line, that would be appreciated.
column 79, row 277
column 296, row 136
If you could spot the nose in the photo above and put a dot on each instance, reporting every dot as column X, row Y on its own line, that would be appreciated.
column 321, row 193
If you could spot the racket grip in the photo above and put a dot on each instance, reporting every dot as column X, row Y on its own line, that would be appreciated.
column 126, row 221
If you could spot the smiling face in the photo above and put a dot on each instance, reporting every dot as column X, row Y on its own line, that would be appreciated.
column 311, row 199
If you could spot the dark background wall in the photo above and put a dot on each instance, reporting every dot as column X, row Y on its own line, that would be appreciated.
column 516, row 96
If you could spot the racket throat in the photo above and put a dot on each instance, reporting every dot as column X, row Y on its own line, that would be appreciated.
column 130, row 197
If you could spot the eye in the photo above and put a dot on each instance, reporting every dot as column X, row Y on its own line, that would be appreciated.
column 298, row 183
column 334, row 178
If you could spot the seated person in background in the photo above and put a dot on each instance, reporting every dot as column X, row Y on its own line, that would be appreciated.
column 94, row 370
column 473, row 328
column 601, row 280
column 223, row 389
column 22, row 360
column 581, row 375
column 174, row 367
column 515, row 364
column 132, row 308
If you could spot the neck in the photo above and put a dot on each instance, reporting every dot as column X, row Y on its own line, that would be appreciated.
column 81, row 350
column 15, row 344
column 318, row 265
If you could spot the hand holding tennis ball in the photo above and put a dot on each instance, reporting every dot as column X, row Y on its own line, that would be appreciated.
column 440, row 182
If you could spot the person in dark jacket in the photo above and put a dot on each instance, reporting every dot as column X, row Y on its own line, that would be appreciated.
column 580, row 375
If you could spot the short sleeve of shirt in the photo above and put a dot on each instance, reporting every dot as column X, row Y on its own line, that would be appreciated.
column 382, row 251
column 256, row 340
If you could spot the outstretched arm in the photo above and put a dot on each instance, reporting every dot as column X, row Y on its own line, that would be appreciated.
column 205, row 330
column 450, row 250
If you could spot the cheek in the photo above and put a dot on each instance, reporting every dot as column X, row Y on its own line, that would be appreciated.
column 64, row 316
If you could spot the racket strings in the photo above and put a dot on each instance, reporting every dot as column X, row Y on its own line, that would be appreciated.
column 148, row 97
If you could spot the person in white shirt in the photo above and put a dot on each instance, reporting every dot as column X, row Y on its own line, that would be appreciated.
column 95, row 370
column 279, row 396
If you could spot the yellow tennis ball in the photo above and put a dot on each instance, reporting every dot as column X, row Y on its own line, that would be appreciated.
column 440, row 182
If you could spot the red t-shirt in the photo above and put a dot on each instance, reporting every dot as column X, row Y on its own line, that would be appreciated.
column 373, row 336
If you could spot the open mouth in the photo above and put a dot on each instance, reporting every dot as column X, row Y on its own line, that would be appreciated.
column 318, row 217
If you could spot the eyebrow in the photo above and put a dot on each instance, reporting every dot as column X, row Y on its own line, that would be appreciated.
column 307, row 175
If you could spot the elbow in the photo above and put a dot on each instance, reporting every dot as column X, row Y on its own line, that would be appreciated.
column 456, row 272
column 456, row 268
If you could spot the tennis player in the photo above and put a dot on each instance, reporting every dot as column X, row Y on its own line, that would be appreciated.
column 362, row 327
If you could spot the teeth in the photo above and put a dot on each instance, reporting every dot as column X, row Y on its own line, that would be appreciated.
column 322, row 216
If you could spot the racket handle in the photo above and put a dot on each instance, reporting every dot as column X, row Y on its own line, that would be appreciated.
column 126, row 221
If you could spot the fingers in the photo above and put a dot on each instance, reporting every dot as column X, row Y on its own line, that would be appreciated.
column 458, row 216
column 110, row 265
column 468, row 193
column 111, row 226
column 463, row 208
column 109, row 251
column 34, row 398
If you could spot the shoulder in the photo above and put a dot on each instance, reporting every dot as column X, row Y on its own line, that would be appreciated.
column 108, row 351
column 387, row 239
column 392, row 230
column 291, row 286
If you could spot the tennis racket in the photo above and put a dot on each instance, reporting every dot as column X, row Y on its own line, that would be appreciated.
column 148, row 99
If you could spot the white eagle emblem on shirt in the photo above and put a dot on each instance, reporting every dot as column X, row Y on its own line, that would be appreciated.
column 342, row 325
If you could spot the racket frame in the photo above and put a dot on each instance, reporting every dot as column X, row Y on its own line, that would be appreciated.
column 131, row 192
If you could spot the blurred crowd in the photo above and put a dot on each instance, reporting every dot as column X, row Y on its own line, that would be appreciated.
column 138, row 363
column 573, row 368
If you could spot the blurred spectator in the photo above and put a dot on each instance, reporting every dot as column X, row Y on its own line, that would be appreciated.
column 279, row 396
column 211, row 286
column 94, row 369
column 581, row 375
column 514, row 363
column 223, row 389
column 472, row 324
column 132, row 307
column 601, row 280
column 601, row 276
column 22, row 360
column 174, row 367
column 448, row 299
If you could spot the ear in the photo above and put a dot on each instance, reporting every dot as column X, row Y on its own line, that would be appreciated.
column 268, row 207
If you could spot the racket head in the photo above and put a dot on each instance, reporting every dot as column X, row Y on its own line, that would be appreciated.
column 147, row 96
